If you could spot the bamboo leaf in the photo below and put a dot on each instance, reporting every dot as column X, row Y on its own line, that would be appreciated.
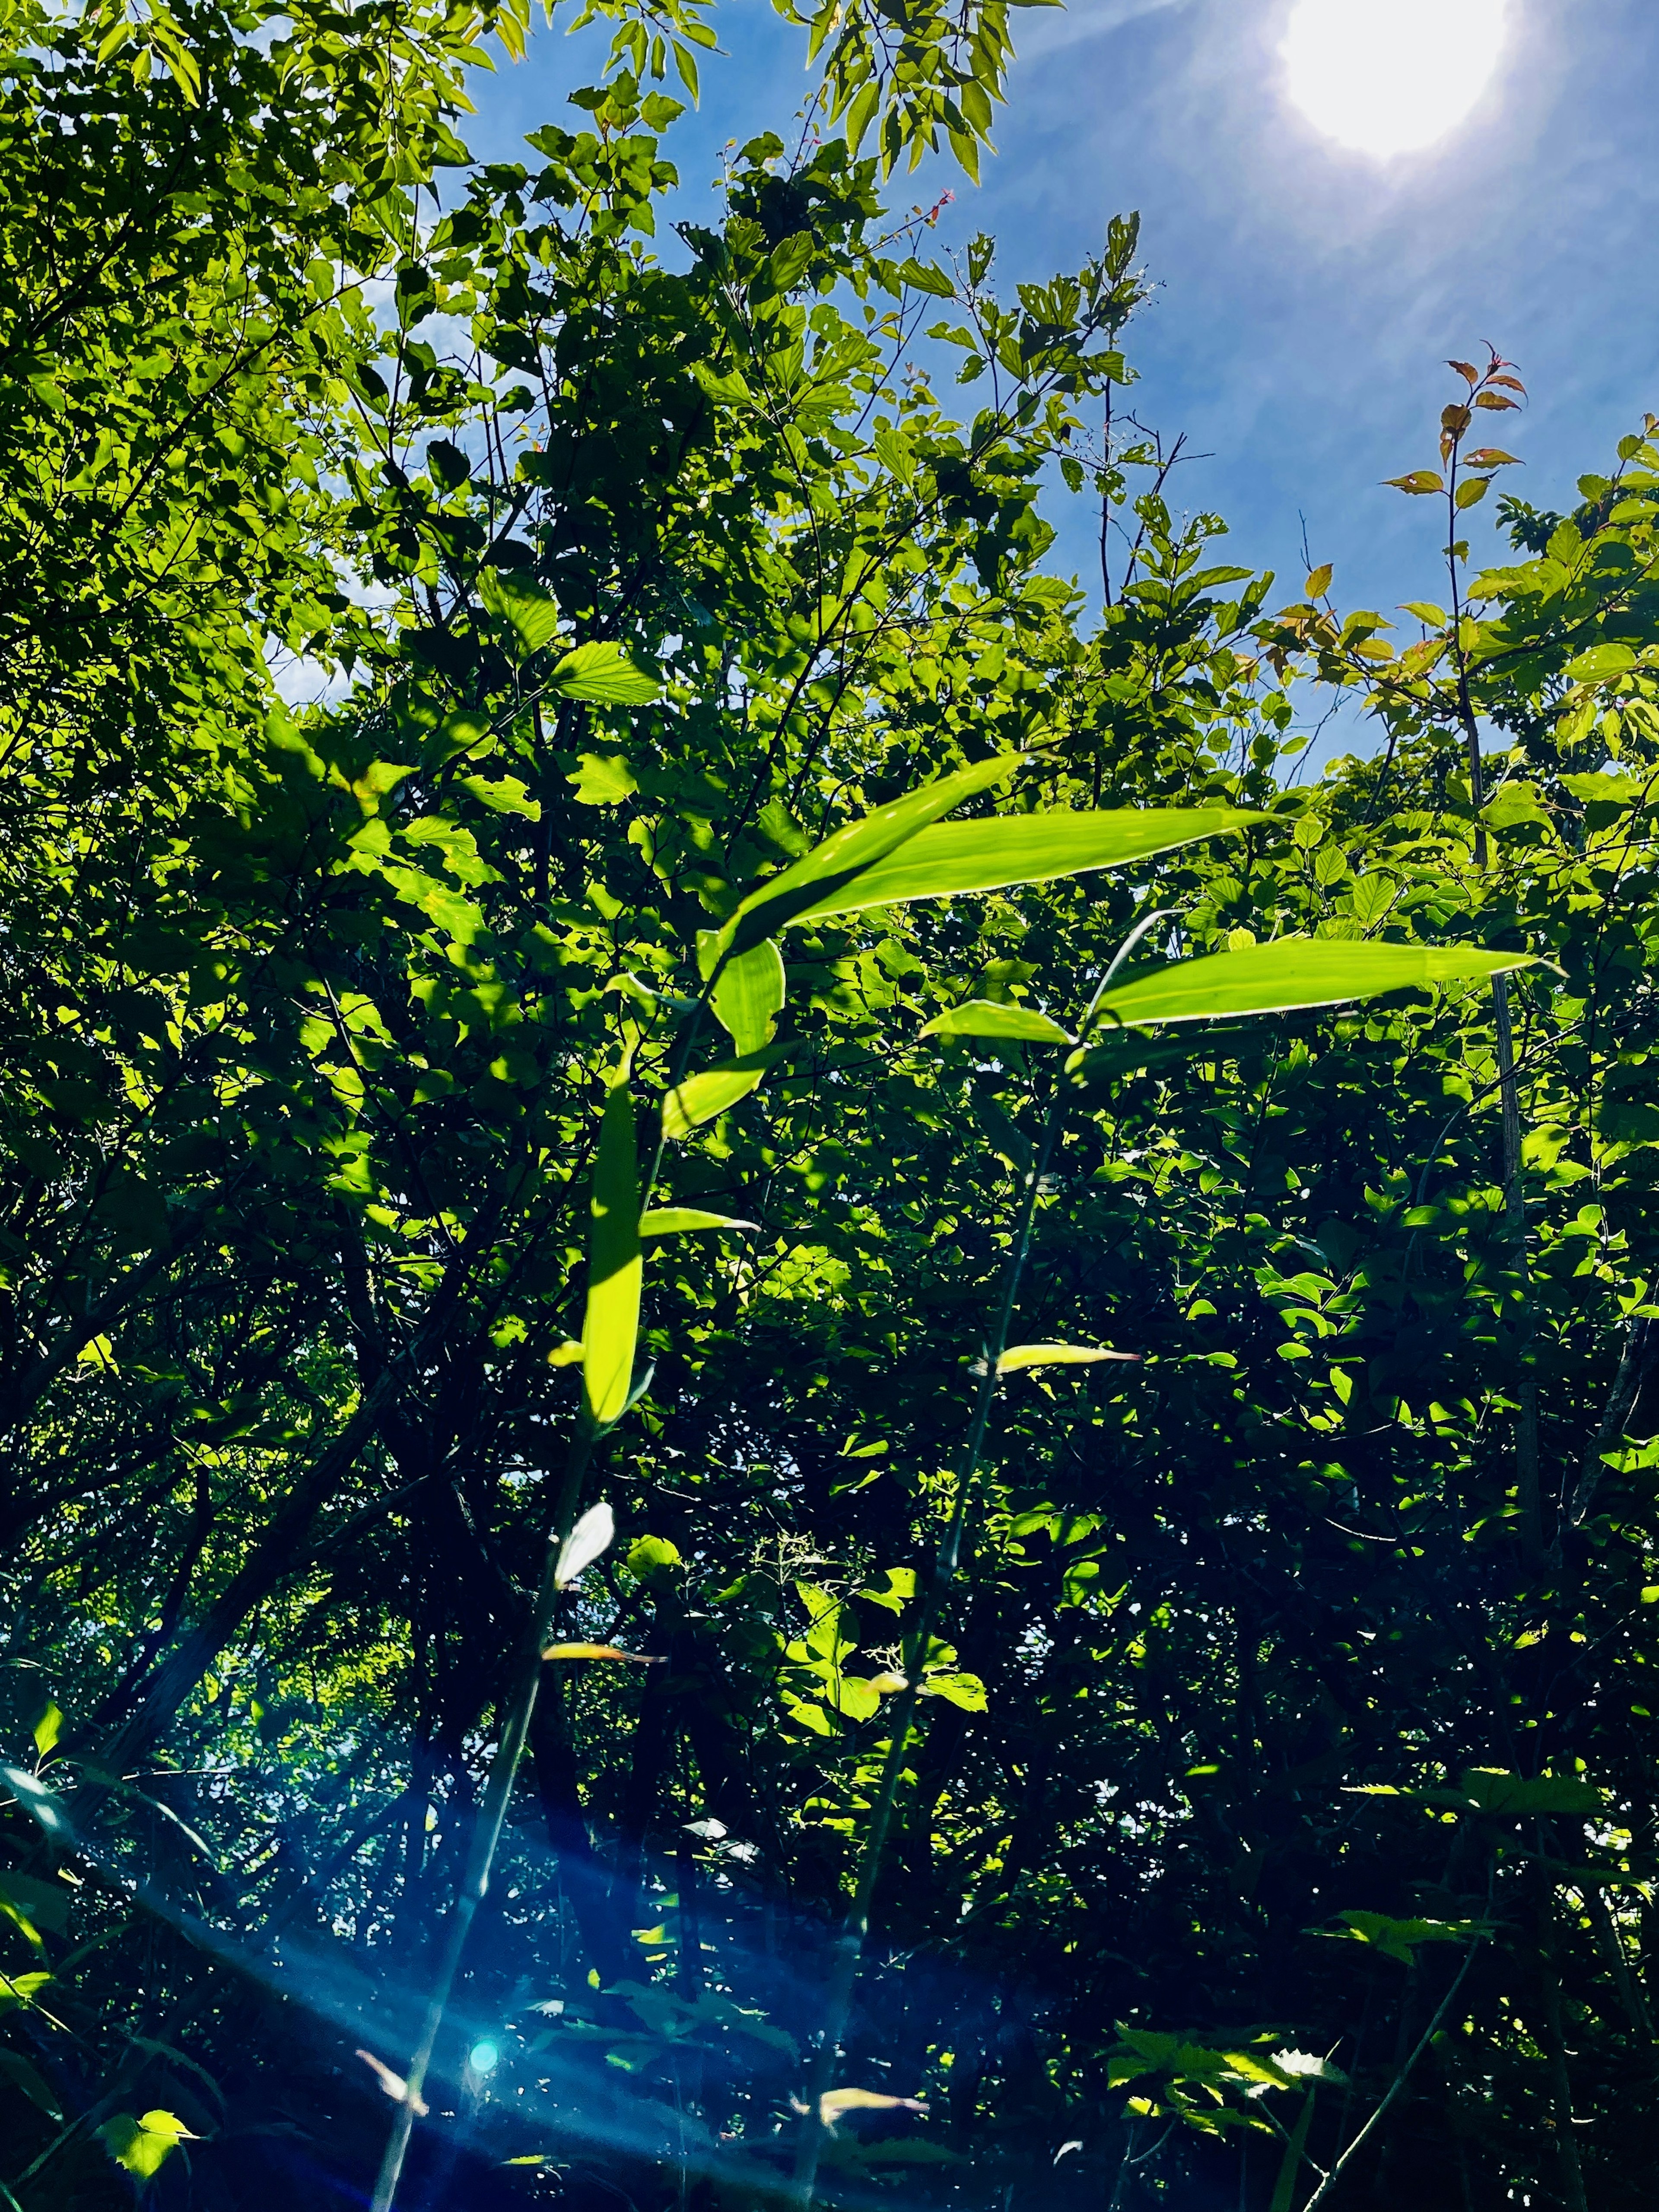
column 1056, row 1355
column 987, row 1018
column 701, row 1096
column 814, row 883
column 683, row 1220
column 1024, row 848
column 600, row 1651
column 594, row 1534
column 611, row 1322
column 1264, row 979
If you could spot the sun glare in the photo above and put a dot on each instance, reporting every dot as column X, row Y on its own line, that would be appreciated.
column 1389, row 76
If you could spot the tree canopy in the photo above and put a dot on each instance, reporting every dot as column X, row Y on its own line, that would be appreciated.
column 806, row 1399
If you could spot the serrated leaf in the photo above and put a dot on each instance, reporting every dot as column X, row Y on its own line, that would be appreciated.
column 604, row 676
column 1297, row 972
column 1418, row 481
column 603, row 780
column 530, row 613
column 989, row 1017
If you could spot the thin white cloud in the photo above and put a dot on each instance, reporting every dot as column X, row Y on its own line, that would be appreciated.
column 1049, row 30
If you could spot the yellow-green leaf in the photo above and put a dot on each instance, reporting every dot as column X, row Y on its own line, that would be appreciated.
column 681, row 1220
column 701, row 1096
column 952, row 857
column 606, row 676
column 750, row 995
column 1056, row 1355
column 989, row 1017
column 611, row 1323
column 1298, row 972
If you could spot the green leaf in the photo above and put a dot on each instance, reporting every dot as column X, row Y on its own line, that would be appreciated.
column 1026, row 848
column 604, row 676
column 1398, row 1939
column 1298, row 972
column 1055, row 1355
column 749, row 994
column 1495, row 1791
column 1600, row 662
column 48, row 1728
column 16, row 2069
column 508, row 795
column 991, row 1018
column 603, row 780
column 957, row 1689
column 681, row 1220
column 141, row 2145
column 701, row 1096
column 610, row 1324
column 814, row 886
column 529, row 612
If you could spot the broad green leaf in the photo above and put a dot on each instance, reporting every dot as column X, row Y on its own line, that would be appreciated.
column 988, row 1018
column 141, row 2145
column 592, row 1536
column 1132, row 1051
column 750, row 995
column 508, row 794
column 1299, row 971
column 603, row 780
column 957, row 1689
column 681, row 1220
column 814, row 886
column 48, row 1728
column 1600, row 662
column 701, row 1096
column 1056, row 1355
column 1398, row 1939
column 611, row 1323
column 604, row 676
column 1025, row 849
column 530, row 613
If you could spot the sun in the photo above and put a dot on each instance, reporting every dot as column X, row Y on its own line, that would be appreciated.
column 1389, row 76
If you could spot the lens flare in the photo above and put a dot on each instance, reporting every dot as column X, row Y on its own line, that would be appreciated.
column 1391, row 77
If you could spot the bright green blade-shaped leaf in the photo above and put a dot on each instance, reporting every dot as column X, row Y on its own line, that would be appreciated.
column 606, row 676
column 701, row 1096
column 599, row 1651
column 750, row 995
column 1026, row 848
column 813, row 885
column 611, row 1326
column 1056, row 1355
column 681, row 1220
column 986, row 1017
column 1267, row 979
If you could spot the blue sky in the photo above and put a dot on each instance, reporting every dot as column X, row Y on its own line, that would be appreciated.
column 1309, row 295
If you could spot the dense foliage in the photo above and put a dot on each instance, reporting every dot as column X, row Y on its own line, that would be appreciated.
column 1268, row 1749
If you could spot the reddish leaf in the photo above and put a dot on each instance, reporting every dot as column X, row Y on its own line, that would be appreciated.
column 1492, row 457
column 1465, row 369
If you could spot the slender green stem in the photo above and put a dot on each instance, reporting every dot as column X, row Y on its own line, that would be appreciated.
column 492, row 1818
column 848, row 1952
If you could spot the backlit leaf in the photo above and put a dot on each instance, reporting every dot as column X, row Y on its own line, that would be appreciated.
column 1027, row 848
column 701, row 1096
column 593, row 1536
column 1297, row 972
column 1056, row 1355
column 600, row 1651
column 748, row 995
column 990, row 1018
column 681, row 1220
column 604, row 676
column 611, row 1321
